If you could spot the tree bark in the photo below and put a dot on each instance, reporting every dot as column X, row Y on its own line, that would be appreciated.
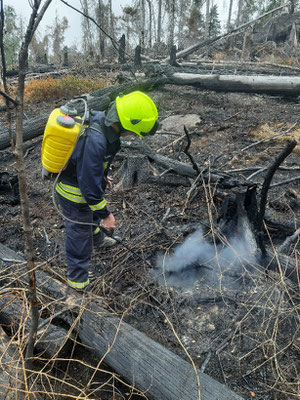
column 159, row 21
column 272, row 85
column 207, row 19
column 229, row 15
column 35, row 126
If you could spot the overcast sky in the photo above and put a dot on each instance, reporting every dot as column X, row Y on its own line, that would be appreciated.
column 73, row 34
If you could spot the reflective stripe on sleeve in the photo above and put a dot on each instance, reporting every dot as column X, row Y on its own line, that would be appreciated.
column 98, row 206
column 78, row 285
column 71, row 193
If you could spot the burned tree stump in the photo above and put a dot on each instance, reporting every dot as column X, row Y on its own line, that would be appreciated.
column 134, row 171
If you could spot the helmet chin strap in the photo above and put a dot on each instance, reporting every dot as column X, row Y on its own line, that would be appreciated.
column 121, row 129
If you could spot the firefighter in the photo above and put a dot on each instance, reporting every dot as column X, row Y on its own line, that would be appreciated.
column 81, row 185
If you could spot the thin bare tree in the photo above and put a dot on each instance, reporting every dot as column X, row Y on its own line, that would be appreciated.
column 229, row 15
column 159, row 17
column 3, row 73
column 142, row 24
column 171, row 33
column 35, row 19
column 150, row 23
column 207, row 19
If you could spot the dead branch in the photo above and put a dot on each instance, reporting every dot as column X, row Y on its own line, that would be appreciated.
column 297, row 178
column 213, row 176
column 191, row 49
column 264, row 192
column 186, row 151
column 113, row 41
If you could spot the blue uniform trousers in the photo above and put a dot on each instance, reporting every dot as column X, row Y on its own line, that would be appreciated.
column 79, row 241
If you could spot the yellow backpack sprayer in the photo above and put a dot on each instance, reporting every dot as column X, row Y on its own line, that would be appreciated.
column 63, row 129
column 61, row 134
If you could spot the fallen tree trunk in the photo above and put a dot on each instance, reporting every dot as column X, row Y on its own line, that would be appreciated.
column 147, row 365
column 144, row 363
column 213, row 176
column 207, row 42
column 35, row 126
column 271, row 85
column 98, row 101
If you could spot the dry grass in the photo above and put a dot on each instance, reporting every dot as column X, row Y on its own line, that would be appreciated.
column 278, row 132
column 67, row 86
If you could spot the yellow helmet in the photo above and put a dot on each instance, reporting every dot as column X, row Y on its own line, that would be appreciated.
column 137, row 113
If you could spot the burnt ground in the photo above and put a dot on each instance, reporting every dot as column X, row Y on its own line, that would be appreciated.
column 245, row 335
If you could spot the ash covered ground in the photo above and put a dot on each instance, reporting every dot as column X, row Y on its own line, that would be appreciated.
column 245, row 335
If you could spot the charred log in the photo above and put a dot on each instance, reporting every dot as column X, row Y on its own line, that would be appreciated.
column 136, row 170
column 213, row 176
column 98, row 101
column 140, row 360
column 271, row 85
column 35, row 126
column 51, row 339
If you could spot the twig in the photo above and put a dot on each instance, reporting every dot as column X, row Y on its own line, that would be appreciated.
column 229, row 171
column 206, row 361
column 232, row 116
column 46, row 236
column 297, row 178
column 256, row 173
column 286, row 133
column 222, row 370
column 186, row 151
column 7, row 97
column 172, row 143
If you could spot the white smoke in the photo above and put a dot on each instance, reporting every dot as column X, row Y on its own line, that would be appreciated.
column 197, row 251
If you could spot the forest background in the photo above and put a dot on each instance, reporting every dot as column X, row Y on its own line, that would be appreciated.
column 155, row 25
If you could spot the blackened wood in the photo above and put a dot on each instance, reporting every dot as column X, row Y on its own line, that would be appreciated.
column 144, row 363
column 173, row 61
column 186, row 151
column 122, row 50
column 264, row 192
column 271, row 85
column 213, row 176
column 34, row 127
column 137, row 56
column 51, row 340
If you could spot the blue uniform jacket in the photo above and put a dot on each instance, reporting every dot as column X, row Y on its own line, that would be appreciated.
column 83, row 181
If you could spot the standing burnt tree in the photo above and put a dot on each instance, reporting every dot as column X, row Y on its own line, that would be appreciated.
column 35, row 18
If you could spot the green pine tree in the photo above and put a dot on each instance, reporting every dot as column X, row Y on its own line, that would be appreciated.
column 214, row 22
column 11, row 36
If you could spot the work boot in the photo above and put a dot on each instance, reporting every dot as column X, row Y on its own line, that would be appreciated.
column 108, row 242
column 105, row 242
